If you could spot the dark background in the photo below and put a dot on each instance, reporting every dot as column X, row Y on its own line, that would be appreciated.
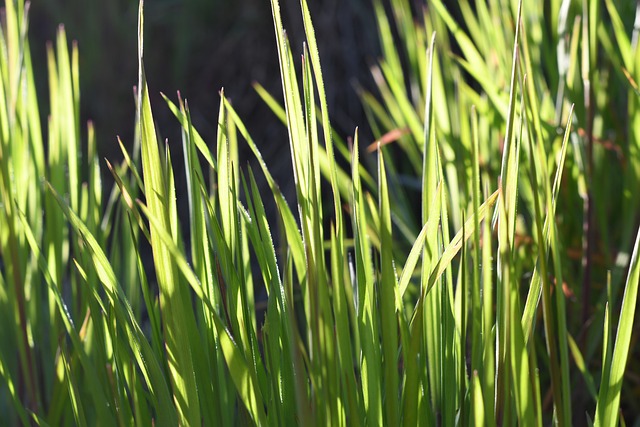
column 198, row 47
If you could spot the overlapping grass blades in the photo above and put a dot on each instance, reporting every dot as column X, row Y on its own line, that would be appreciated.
column 476, row 67
column 386, row 306
column 175, row 309
column 608, row 403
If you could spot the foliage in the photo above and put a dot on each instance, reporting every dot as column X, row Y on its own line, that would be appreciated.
column 380, row 309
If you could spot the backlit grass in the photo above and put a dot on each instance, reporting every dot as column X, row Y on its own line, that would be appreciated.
column 423, row 281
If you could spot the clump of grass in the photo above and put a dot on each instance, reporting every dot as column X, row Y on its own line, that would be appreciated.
column 359, row 327
column 568, row 70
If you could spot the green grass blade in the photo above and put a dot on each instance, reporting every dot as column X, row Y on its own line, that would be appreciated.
column 175, row 307
column 146, row 361
column 535, row 289
column 96, row 389
column 430, row 228
column 607, row 408
column 388, row 315
column 367, row 321
column 488, row 322
column 580, row 364
column 477, row 401
column 458, row 240
column 293, row 236
column 243, row 377
column 203, row 264
column 197, row 139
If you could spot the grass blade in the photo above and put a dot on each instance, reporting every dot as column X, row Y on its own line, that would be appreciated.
column 607, row 408
column 174, row 305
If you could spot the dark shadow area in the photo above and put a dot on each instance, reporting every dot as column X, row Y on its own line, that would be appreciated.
column 197, row 47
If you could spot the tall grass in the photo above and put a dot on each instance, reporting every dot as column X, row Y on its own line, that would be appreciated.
column 574, row 65
column 385, row 305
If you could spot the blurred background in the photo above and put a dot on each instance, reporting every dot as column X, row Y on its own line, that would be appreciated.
column 197, row 47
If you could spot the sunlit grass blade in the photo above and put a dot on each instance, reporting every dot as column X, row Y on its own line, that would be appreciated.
column 174, row 305
column 607, row 409
column 294, row 238
column 96, row 388
column 430, row 228
column 488, row 321
column 326, row 167
column 326, row 127
column 140, row 348
column 478, row 415
column 551, row 322
column 535, row 289
column 202, row 259
column 506, row 296
column 197, row 139
column 430, row 331
column 388, row 315
column 370, row 361
column 452, row 249
column 243, row 377
column 476, row 316
column 289, row 365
